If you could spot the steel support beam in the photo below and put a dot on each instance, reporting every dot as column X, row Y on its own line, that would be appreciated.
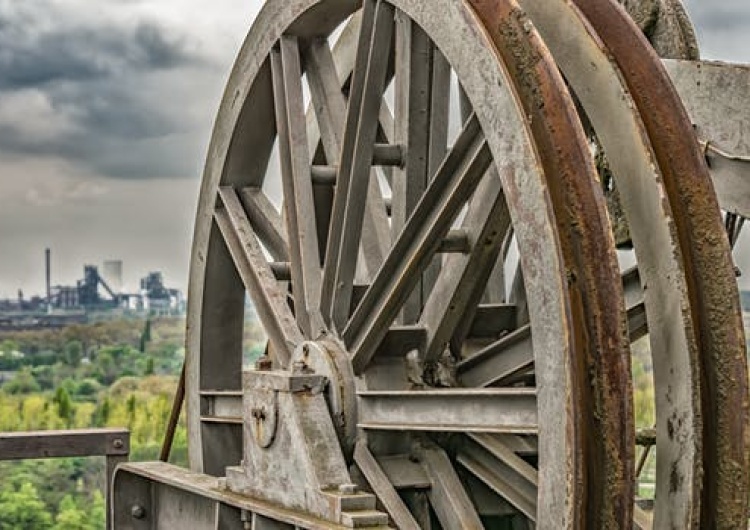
column 491, row 410
column 159, row 495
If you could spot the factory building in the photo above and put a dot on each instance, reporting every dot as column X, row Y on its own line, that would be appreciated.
column 96, row 291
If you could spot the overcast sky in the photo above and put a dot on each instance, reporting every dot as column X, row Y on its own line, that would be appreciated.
column 106, row 108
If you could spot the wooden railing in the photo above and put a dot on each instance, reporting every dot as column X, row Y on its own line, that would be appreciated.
column 113, row 444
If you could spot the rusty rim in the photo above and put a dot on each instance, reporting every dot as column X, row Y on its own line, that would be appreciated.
column 602, row 357
column 711, row 282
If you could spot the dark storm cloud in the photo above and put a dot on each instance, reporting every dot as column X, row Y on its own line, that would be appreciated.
column 33, row 52
column 110, row 90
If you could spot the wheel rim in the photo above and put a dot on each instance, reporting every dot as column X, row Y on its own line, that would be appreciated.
column 712, row 286
column 609, row 107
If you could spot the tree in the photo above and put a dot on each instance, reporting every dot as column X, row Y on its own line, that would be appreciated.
column 88, row 387
column 149, row 367
column 71, row 517
column 107, row 367
column 9, row 346
column 131, row 406
column 22, row 509
column 23, row 383
column 146, row 335
column 73, row 353
column 45, row 376
column 101, row 416
column 64, row 405
column 98, row 513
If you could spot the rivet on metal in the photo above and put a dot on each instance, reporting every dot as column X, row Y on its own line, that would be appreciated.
column 138, row 511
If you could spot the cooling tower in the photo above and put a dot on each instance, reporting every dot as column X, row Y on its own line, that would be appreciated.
column 112, row 275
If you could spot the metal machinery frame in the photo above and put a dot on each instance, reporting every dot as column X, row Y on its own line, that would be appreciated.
column 409, row 193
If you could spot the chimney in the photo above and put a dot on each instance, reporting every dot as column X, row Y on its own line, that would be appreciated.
column 49, row 286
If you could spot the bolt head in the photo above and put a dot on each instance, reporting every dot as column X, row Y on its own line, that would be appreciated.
column 264, row 364
column 118, row 443
column 138, row 511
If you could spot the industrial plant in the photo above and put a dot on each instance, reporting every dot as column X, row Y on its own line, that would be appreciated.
column 100, row 293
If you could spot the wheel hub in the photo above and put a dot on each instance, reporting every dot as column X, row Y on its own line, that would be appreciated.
column 328, row 358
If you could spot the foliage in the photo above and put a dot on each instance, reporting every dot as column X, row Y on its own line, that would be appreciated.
column 64, row 405
column 24, row 382
column 73, row 353
column 22, row 509
column 72, row 516
column 643, row 385
column 140, row 404
column 95, row 375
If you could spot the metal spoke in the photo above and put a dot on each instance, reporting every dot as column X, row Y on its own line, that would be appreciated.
column 344, row 53
column 439, row 109
column 440, row 93
column 502, row 359
column 448, row 191
column 368, row 84
column 505, row 411
column 513, row 354
column 266, row 222
column 503, row 471
column 463, row 278
column 383, row 488
column 330, row 107
column 495, row 289
column 328, row 101
column 256, row 274
column 517, row 297
column 297, row 182
column 447, row 494
column 413, row 103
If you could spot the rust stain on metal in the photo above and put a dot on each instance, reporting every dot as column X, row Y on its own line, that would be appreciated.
column 601, row 367
column 711, row 282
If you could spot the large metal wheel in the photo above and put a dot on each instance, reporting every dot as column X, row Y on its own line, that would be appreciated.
column 681, row 289
column 380, row 257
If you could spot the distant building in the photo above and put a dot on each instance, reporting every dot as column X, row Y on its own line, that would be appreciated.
column 157, row 298
column 65, row 297
column 99, row 293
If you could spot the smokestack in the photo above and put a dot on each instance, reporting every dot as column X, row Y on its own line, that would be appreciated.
column 49, row 285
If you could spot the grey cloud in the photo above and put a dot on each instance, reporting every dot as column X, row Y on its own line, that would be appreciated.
column 727, row 18
column 160, row 50
column 116, row 132
column 34, row 52
column 119, row 86
column 723, row 28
